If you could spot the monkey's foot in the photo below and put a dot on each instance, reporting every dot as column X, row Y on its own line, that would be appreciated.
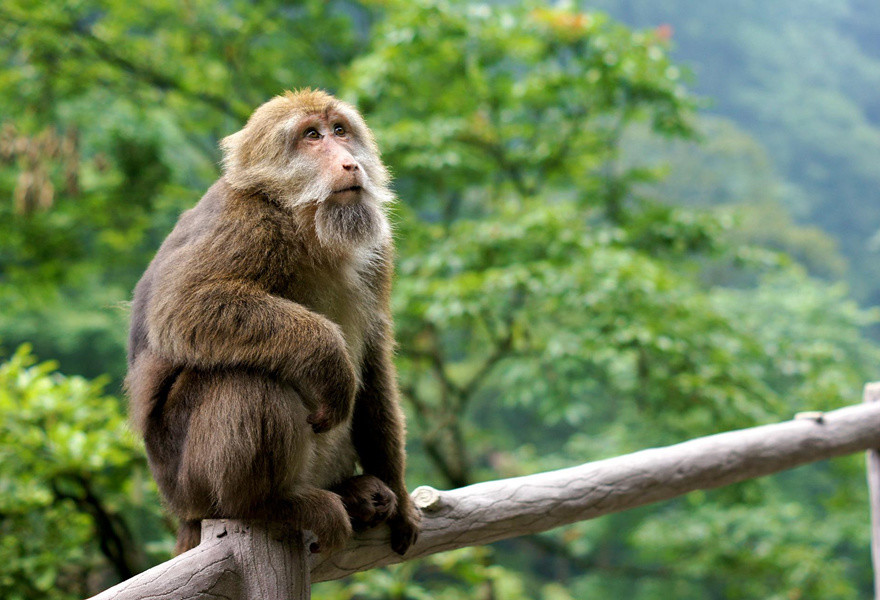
column 330, row 524
column 367, row 500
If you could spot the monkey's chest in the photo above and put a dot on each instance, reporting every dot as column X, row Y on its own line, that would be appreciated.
column 332, row 457
column 343, row 296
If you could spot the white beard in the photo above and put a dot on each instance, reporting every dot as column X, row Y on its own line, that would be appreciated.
column 352, row 224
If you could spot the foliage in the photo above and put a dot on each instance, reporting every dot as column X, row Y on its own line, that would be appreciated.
column 448, row 576
column 524, row 99
column 117, row 111
column 801, row 77
column 73, row 497
column 557, row 299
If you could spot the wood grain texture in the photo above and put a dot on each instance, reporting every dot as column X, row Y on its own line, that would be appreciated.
column 242, row 560
column 495, row 510
column 872, row 395
column 235, row 560
column 207, row 571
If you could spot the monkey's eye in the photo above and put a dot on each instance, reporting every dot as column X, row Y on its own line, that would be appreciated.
column 312, row 134
column 339, row 130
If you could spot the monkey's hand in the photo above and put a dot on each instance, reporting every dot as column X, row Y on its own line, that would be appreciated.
column 405, row 525
column 331, row 384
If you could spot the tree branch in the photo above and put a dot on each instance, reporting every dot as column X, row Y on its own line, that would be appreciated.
column 431, row 438
column 246, row 561
column 495, row 510
column 435, row 360
column 114, row 538
column 508, row 167
column 501, row 351
column 144, row 73
column 487, row 512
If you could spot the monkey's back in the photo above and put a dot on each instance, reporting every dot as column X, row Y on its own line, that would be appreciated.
column 193, row 226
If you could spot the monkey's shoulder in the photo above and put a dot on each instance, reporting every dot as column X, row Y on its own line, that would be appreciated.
column 237, row 235
column 229, row 234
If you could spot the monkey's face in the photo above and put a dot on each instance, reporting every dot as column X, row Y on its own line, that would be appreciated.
column 315, row 155
column 326, row 160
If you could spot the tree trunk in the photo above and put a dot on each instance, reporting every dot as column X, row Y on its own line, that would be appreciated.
column 235, row 559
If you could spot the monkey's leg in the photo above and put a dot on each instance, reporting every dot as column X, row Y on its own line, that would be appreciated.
column 320, row 511
column 164, row 423
column 247, row 456
column 379, row 436
column 316, row 510
column 367, row 500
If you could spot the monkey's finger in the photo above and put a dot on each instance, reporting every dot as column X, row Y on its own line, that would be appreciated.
column 403, row 535
column 319, row 420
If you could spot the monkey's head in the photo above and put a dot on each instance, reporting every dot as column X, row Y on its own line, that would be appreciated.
column 314, row 155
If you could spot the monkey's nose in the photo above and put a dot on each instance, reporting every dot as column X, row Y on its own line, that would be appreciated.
column 350, row 166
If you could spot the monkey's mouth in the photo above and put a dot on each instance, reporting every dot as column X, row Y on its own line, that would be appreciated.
column 354, row 189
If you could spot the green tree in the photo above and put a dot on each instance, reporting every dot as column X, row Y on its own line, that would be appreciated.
column 548, row 307
column 115, row 111
column 800, row 77
column 554, row 302
column 77, row 509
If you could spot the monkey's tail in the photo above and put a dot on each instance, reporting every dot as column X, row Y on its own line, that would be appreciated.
column 189, row 534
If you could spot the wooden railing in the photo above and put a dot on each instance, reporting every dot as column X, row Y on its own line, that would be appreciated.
column 254, row 560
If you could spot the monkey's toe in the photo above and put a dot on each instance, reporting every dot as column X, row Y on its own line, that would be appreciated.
column 376, row 509
column 368, row 512
column 320, row 421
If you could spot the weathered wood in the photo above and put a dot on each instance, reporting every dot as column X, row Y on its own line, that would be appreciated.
column 238, row 560
column 207, row 571
column 235, row 560
column 495, row 510
column 271, row 558
column 872, row 395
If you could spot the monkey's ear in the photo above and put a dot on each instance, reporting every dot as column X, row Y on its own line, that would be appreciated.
column 235, row 160
column 231, row 147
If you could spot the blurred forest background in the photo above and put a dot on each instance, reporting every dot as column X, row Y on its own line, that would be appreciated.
column 621, row 224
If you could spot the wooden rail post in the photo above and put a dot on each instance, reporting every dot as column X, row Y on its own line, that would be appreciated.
column 242, row 560
column 237, row 560
column 872, row 394
column 272, row 558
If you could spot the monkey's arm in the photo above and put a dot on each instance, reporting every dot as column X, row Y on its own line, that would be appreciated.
column 215, row 321
column 379, row 434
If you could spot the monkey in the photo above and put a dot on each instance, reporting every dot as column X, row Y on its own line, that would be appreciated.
column 260, row 358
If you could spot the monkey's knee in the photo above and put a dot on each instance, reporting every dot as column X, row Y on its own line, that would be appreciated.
column 245, row 446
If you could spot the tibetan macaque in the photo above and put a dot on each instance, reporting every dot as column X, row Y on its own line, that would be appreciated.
column 260, row 356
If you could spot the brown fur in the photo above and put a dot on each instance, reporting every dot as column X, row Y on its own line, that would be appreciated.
column 260, row 368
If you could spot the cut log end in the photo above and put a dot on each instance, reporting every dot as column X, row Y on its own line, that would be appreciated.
column 427, row 498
